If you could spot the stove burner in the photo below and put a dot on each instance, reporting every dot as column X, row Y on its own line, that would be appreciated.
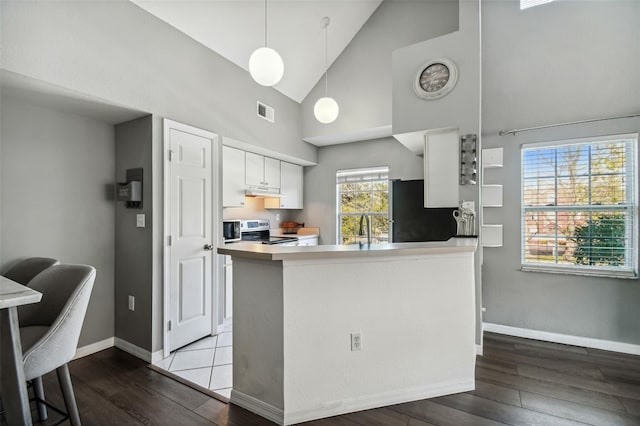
column 258, row 232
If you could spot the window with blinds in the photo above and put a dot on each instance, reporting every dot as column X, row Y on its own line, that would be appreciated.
column 579, row 206
column 362, row 192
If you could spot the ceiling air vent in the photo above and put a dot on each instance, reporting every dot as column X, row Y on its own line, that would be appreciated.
column 266, row 112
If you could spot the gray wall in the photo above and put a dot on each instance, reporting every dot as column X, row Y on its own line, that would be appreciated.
column 133, row 255
column 118, row 52
column 360, row 79
column 55, row 173
column 563, row 61
column 459, row 109
column 320, row 180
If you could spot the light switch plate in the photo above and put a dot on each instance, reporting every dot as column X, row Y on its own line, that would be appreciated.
column 132, row 303
column 140, row 220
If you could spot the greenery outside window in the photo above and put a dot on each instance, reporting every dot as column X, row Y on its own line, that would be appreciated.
column 362, row 192
column 579, row 206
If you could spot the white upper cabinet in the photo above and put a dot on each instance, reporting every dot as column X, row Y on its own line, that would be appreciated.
column 232, row 177
column 272, row 172
column 291, row 177
column 254, row 174
column 441, row 169
column 261, row 171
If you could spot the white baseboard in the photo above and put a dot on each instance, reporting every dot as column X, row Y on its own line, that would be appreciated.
column 567, row 339
column 134, row 350
column 258, row 407
column 478, row 349
column 157, row 356
column 94, row 347
column 336, row 408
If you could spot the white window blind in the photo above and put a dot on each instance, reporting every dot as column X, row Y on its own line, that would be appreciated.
column 579, row 206
column 362, row 192
column 525, row 4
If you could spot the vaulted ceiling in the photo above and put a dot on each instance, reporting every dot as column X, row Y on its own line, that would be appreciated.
column 235, row 28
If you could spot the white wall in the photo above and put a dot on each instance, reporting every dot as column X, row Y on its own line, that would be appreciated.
column 562, row 61
column 56, row 175
column 360, row 79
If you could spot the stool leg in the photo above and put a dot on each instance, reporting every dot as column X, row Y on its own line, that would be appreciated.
column 38, row 391
column 67, row 393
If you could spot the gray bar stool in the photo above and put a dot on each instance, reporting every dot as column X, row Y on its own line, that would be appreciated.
column 23, row 272
column 50, row 329
column 26, row 270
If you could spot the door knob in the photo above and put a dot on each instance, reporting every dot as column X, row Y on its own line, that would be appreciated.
column 208, row 247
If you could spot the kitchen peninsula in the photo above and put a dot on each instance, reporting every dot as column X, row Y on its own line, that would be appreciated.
column 325, row 330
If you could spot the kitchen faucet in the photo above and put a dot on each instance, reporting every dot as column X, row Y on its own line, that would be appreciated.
column 361, row 231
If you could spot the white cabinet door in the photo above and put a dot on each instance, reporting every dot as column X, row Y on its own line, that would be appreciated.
column 291, row 188
column 254, row 171
column 441, row 169
column 308, row 241
column 262, row 171
column 228, row 288
column 272, row 172
column 232, row 177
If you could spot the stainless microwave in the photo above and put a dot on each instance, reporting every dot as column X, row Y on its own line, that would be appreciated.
column 231, row 230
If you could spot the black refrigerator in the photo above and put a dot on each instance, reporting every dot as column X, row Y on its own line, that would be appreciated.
column 412, row 222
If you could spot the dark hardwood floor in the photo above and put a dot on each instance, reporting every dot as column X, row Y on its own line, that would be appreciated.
column 518, row 382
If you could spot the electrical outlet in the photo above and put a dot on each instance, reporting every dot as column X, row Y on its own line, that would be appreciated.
column 356, row 341
column 140, row 220
column 132, row 303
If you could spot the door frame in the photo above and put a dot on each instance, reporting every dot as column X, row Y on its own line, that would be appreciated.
column 216, row 215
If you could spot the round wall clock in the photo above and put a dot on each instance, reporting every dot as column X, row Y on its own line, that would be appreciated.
column 436, row 78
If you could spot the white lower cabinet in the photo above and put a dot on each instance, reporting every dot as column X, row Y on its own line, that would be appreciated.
column 308, row 241
column 228, row 288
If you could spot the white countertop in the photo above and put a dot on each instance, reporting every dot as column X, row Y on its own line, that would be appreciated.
column 278, row 252
column 14, row 294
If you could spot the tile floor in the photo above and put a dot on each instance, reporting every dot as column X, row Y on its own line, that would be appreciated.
column 207, row 363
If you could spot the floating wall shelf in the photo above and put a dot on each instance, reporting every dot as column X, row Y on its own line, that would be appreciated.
column 491, row 236
column 492, row 158
column 491, row 197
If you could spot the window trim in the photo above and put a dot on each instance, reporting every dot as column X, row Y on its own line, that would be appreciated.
column 632, row 209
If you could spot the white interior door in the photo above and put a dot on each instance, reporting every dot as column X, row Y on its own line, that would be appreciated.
column 191, row 243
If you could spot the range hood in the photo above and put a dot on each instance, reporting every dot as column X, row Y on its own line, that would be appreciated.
column 261, row 193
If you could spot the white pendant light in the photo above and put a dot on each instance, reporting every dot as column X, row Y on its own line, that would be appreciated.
column 265, row 64
column 326, row 109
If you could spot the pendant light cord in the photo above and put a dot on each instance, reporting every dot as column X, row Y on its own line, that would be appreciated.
column 326, row 67
column 265, row 23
